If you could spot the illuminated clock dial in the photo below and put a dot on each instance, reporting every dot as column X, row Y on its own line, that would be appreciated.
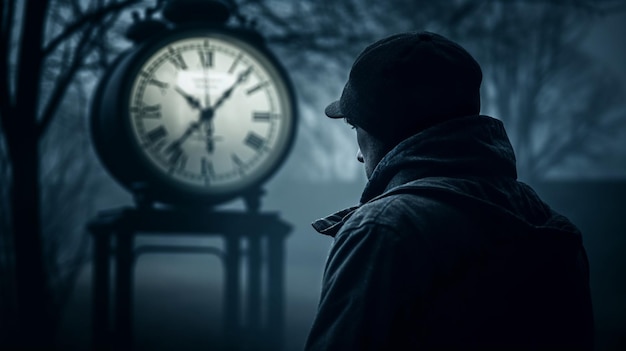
column 210, row 113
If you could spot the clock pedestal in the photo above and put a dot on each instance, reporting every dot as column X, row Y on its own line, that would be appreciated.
column 114, row 233
column 198, row 112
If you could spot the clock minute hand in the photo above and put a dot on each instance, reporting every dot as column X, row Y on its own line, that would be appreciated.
column 242, row 76
column 178, row 142
column 192, row 101
column 207, row 114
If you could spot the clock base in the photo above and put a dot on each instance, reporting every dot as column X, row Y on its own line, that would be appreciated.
column 263, row 257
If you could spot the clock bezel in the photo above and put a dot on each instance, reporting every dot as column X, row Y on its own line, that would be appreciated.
column 131, row 166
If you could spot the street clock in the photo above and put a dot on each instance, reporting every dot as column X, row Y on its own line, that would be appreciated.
column 198, row 112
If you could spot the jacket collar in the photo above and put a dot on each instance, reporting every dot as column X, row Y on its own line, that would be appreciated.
column 467, row 146
column 330, row 225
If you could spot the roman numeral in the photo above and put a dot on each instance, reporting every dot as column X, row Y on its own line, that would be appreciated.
column 176, row 156
column 257, row 87
column 206, row 58
column 238, row 162
column 234, row 64
column 176, row 59
column 254, row 141
column 181, row 162
column 156, row 134
column 153, row 81
column 147, row 111
column 261, row 116
column 158, row 83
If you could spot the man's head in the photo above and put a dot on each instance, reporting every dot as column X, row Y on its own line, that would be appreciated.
column 403, row 84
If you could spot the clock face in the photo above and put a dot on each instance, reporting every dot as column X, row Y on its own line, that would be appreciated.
column 210, row 113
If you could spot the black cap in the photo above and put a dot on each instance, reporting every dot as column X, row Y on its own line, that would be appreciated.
column 408, row 82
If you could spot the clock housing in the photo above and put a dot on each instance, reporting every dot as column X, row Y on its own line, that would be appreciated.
column 200, row 114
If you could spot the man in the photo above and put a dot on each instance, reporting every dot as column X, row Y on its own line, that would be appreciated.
column 447, row 250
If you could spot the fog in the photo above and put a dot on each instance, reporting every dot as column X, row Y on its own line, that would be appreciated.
column 178, row 298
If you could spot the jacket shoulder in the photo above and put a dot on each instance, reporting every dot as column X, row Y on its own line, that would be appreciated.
column 404, row 213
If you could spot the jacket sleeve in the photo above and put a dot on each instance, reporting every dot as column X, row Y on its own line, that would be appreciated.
column 371, row 290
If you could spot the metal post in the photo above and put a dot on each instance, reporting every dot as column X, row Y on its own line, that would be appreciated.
column 254, row 289
column 276, row 290
column 124, row 289
column 232, row 293
column 100, row 321
column 264, row 318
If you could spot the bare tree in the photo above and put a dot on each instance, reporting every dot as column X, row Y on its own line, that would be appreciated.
column 69, row 178
column 7, row 294
column 553, row 97
column 45, row 44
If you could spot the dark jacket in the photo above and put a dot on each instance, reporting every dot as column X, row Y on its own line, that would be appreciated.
column 448, row 251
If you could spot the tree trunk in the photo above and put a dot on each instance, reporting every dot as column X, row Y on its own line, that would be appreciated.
column 33, row 298
column 34, row 320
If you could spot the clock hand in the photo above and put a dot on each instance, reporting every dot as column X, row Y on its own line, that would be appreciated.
column 207, row 98
column 208, row 128
column 192, row 101
column 178, row 142
column 207, row 114
column 242, row 76
column 207, row 118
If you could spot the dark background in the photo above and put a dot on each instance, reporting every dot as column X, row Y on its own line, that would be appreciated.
column 555, row 73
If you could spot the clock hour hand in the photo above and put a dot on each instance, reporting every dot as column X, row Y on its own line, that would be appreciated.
column 192, row 101
column 242, row 77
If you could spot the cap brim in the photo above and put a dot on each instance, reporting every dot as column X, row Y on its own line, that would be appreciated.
column 333, row 110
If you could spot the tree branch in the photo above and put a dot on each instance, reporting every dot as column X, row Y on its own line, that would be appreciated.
column 7, row 15
column 94, row 16
column 65, row 79
column 589, row 6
